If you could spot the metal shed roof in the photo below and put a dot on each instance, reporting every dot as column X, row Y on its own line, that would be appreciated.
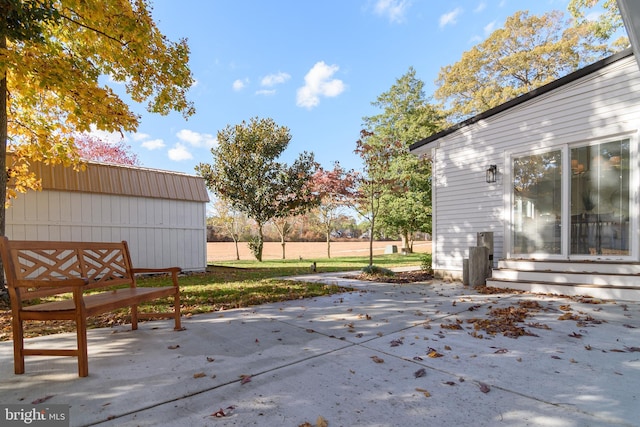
column 103, row 178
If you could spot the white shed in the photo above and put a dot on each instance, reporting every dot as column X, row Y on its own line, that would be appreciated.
column 564, row 207
column 161, row 214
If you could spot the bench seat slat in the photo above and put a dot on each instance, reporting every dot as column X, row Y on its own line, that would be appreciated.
column 104, row 302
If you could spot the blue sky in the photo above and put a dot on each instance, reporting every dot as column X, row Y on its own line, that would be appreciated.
column 314, row 66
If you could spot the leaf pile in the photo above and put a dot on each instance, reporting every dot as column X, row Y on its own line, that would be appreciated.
column 396, row 277
column 507, row 320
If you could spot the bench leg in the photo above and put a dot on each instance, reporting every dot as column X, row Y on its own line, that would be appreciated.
column 18, row 345
column 176, row 310
column 83, row 358
column 134, row 317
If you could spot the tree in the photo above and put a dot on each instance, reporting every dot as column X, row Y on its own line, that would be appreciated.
column 407, row 117
column 374, row 182
column 606, row 23
column 284, row 226
column 335, row 189
column 408, row 211
column 245, row 172
column 527, row 53
column 231, row 221
column 52, row 53
column 93, row 148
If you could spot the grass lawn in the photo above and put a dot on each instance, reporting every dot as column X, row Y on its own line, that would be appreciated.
column 227, row 285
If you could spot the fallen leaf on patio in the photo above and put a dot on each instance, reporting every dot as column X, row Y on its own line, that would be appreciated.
column 484, row 388
column 626, row 325
column 310, row 331
column 449, row 383
column 245, row 379
column 573, row 361
column 538, row 325
column 587, row 347
column 377, row 359
column 173, row 347
column 632, row 349
column 199, row 375
column 396, row 343
column 221, row 413
column 556, row 357
column 41, row 400
column 420, row 373
column 434, row 354
column 418, row 358
column 519, row 359
column 617, row 350
column 446, row 347
column 423, row 391
column 575, row 335
column 501, row 351
column 321, row 422
column 569, row 316
column 210, row 359
column 565, row 307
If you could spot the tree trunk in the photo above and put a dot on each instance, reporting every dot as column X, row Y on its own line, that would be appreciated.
column 407, row 243
column 3, row 155
column 235, row 240
column 283, row 243
column 328, row 243
column 260, row 243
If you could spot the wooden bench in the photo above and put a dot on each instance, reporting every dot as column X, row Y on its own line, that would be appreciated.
column 37, row 269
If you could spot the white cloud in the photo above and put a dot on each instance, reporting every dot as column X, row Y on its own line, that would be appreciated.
column 450, row 18
column 395, row 10
column 108, row 137
column 179, row 153
column 482, row 6
column 488, row 29
column 140, row 136
column 197, row 139
column 275, row 79
column 153, row 144
column 240, row 84
column 319, row 82
column 266, row 92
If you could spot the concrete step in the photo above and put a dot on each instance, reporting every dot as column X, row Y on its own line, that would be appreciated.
column 568, row 277
column 609, row 292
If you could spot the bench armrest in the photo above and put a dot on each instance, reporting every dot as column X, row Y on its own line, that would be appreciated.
column 79, row 282
column 173, row 270
column 156, row 270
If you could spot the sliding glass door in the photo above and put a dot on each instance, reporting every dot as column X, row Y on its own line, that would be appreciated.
column 537, row 203
column 573, row 202
column 600, row 199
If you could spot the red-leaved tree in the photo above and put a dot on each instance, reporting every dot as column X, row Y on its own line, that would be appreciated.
column 335, row 188
column 93, row 148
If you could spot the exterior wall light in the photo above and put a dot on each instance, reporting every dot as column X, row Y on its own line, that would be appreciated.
column 492, row 171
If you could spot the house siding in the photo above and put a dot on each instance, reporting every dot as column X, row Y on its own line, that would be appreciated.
column 600, row 105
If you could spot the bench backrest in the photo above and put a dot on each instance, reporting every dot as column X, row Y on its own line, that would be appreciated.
column 102, row 264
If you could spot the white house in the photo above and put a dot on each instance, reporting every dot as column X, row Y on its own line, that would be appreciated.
column 564, row 207
column 161, row 214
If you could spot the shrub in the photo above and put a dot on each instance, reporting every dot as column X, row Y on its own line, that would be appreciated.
column 425, row 263
column 377, row 271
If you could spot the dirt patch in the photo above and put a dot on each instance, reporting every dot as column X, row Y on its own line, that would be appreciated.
column 398, row 277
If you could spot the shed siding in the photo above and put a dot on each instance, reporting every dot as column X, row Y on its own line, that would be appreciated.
column 601, row 105
column 160, row 232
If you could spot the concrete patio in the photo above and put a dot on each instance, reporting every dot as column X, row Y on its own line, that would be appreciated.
column 382, row 355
